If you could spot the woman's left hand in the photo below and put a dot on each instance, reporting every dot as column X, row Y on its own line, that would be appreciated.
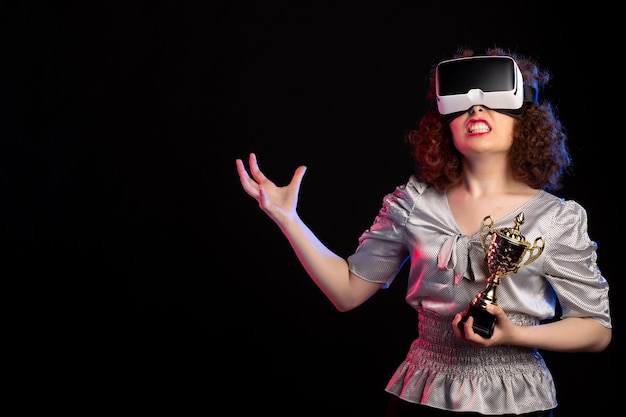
column 502, row 332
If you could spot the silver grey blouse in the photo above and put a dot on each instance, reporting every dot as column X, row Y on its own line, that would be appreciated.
column 448, row 268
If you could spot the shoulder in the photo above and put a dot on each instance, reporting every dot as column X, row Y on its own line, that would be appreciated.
column 414, row 188
column 412, row 191
column 403, row 200
column 563, row 211
column 565, row 222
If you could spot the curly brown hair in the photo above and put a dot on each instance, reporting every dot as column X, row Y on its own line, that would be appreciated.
column 539, row 154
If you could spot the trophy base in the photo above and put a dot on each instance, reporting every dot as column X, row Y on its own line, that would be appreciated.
column 484, row 322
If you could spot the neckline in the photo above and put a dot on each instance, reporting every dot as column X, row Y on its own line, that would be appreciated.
column 511, row 215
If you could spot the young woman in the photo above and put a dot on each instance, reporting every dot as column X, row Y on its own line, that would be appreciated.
column 487, row 156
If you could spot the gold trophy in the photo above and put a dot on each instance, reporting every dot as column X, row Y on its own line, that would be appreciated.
column 504, row 254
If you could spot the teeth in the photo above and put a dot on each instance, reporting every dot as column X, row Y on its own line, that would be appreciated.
column 479, row 127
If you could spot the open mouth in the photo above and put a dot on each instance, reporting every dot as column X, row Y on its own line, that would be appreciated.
column 478, row 127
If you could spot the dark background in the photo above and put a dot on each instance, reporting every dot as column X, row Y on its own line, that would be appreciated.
column 141, row 277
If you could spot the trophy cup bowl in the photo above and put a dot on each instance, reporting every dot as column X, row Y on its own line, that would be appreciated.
column 506, row 251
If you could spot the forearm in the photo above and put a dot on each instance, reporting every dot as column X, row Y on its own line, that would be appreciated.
column 329, row 271
column 571, row 334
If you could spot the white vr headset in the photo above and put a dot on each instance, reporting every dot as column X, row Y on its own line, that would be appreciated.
column 491, row 81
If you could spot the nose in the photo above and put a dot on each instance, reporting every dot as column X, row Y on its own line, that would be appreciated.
column 475, row 109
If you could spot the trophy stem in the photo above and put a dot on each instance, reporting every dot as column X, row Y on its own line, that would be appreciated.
column 488, row 295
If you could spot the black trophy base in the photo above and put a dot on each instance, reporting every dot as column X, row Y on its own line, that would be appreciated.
column 484, row 322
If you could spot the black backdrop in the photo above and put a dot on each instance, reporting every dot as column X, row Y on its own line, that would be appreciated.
column 143, row 277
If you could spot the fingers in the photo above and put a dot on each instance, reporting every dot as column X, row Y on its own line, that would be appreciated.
column 264, row 201
column 495, row 309
column 255, row 171
column 455, row 326
column 258, row 186
column 247, row 183
column 297, row 176
column 467, row 332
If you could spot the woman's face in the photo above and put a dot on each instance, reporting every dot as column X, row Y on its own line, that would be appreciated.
column 481, row 131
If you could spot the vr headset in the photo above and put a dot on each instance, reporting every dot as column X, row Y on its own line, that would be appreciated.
column 491, row 81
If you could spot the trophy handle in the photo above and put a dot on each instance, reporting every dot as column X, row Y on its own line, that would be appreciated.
column 534, row 251
column 485, row 231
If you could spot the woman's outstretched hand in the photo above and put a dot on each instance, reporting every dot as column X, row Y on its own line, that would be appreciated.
column 280, row 203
